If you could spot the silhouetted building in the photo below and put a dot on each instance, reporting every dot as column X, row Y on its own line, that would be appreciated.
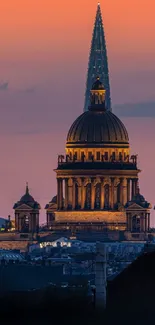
column 98, row 61
column 27, row 213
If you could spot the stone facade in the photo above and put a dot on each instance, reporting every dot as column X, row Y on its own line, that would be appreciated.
column 108, row 217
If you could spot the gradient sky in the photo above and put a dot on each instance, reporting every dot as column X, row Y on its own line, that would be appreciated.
column 44, row 54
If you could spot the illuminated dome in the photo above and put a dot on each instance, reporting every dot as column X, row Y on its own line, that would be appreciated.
column 97, row 127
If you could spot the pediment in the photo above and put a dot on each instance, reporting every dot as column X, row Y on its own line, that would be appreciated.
column 135, row 206
column 24, row 207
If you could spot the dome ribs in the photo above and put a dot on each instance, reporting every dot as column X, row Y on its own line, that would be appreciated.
column 97, row 127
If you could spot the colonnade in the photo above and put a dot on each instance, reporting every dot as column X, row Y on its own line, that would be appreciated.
column 94, row 193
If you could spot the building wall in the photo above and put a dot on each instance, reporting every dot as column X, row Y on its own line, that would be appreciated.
column 90, row 216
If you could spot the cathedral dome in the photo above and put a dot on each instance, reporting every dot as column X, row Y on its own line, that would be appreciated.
column 97, row 127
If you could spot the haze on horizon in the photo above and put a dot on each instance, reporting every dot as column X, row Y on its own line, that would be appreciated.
column 43, row 63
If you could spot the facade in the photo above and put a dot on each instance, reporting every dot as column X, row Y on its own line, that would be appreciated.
column 98, row 61
column 27, row 214
column 97, row 180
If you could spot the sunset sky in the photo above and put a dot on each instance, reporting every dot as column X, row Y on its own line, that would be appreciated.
column 44, row 49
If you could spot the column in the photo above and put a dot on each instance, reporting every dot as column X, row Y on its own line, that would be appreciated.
column 70, row 193
column 92, row 194
column 31, row 222
column 61, row 193
column 102, row 195
column 128, row 190
column 141, row 223
column 73, row 195
column 58, row 193
column 79, row 193
column 66, row 193
column 124, row 191
column 115, row 194
column 19, row 223
column 134, row 186
column 83, row 195
column 112, row 194
column 146, row 223
column 121, row 191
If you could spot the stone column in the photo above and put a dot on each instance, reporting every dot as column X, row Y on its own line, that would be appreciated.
column 102, row 195
column 134, row 187
column 61, row 193
column 115, row 194
column 92, row 194
column 112, row 194
column 124, row 191
column 83, row 195
column 73, row 195
column 31, row 222
column 146, row 223
column 58, row 193
column 100, row 276
column 142, row 225
column 121, row 191
column 79, row 193
column 128, row 190
column 19, row 223
column 70, row 187
column 66, row 193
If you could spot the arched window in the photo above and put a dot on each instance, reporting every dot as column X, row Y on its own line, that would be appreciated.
column 88, row 196
column 98, row 196
column 136, row 223
column 106, row 196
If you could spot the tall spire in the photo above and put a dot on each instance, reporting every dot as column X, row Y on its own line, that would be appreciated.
column 27, row 188
column 98, row 61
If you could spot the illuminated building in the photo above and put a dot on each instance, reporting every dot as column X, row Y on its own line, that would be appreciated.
column 27, row 214
column 97, row 180
column 98, row 61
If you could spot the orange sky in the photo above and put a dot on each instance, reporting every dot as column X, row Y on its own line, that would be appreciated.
column 47, row 26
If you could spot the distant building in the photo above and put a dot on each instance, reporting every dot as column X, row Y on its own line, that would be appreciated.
column 27, row 214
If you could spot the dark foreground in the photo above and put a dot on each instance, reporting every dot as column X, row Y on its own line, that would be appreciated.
column 130, row 300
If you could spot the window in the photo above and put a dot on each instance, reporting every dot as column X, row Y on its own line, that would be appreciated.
column 82, row 156
column 98, row 155
column 75, row 155
column 106, row 155
column 89, row 155
column 120, row 156
column 113, row 156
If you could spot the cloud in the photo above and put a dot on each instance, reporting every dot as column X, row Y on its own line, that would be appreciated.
column 146, row 109
column 4, row 86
